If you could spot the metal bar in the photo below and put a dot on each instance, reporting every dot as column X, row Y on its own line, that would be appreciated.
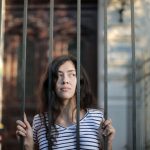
column 24, row 65
column 50, row 57
column 1, row 51
column 105, row 70
column 24, row 53
column 51, row 35
column 133, row 76
column 2, row 29
column 78, row 71
column 100, row 48
column 1, row 9
column 2, row 25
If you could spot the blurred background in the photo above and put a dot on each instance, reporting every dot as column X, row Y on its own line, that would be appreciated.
column 92, row 58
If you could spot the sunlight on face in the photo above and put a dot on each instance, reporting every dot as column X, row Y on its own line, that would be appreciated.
column 67, row 81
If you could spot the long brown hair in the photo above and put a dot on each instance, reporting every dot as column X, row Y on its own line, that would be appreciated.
column 47, row 95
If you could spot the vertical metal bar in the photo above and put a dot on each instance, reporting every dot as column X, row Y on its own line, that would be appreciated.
column 24, row 64
column 105, row 70
column 51, row 25
column 100, row 48
column 2, row 25
column 1, row 51
column 1, row 9
column 78, row 70
column 105, row 62
column 133, row 76
column 50, row 57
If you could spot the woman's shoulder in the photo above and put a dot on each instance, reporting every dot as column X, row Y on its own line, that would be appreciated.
column 94, row 116
column 37, row 117
column 38, row 120
column 93, row 111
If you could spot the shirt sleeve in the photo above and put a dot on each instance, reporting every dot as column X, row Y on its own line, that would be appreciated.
column 35, row 124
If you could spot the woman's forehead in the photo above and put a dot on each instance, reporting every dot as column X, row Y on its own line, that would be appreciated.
column 67, row 66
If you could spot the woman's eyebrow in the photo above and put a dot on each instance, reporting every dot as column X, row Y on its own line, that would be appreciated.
column 59, row 71
column 71, row 71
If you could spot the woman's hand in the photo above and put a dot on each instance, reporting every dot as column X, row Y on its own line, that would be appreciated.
column 107, row 130
column 24, row 129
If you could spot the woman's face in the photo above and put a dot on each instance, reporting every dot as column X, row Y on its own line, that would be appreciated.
column 67, row 81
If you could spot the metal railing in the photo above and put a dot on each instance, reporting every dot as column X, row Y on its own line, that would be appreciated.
column 51, row 22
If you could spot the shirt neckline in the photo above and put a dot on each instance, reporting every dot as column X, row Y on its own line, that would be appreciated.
column 73, row 124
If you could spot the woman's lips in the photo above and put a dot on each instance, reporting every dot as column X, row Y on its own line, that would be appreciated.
column 65, row 89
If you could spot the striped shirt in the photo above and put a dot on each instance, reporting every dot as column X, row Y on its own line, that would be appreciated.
column 66, row 136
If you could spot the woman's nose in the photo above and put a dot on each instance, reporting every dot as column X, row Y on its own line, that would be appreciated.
column 65, row 80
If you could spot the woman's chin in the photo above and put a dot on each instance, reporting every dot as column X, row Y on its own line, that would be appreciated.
column 66, row 97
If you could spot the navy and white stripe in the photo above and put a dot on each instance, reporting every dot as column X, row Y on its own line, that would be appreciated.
column 66, row 136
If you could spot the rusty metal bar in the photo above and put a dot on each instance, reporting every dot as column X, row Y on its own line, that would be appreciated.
column 78, row 71
column 133, row 75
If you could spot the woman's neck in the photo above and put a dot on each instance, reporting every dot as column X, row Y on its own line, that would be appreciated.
column 68, row 113
column 68, row 110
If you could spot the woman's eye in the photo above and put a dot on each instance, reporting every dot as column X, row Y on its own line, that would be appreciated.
column 60, row 75
column 72, row 74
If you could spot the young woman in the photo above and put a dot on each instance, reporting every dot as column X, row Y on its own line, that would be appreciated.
column 55, row 125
